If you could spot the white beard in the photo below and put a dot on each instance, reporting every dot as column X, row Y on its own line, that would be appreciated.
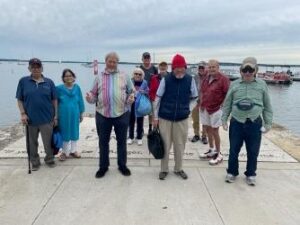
column 179, row 76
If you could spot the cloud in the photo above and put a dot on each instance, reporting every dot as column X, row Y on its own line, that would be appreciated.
column 78, row 30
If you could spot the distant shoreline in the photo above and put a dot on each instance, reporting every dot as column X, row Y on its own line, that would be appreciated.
column 138, row 63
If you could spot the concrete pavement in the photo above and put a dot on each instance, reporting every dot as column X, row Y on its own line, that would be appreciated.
column 69, row 193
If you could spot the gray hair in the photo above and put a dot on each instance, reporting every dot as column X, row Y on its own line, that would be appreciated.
column 112, row 55
column 214, row 61
column 138, row 70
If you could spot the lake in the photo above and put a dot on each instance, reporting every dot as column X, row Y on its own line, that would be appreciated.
column 285, row 99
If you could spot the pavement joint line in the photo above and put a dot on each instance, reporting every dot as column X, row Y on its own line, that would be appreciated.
column 215, row 205
column 282, row 165
column 52, row 195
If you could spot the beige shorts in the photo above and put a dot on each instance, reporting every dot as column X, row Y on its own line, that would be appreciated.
column 212, row 120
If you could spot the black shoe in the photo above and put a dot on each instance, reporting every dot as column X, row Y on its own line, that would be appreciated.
column 204, row 140
column 162, row 175
column 101, row 172
column 125, row 171
column 51, row 163
column 195, row 138
column 181, row 174
column 35, row 166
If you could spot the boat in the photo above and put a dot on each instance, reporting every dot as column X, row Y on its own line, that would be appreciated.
column 232, row 74
column 88, row 64
column 192, row 70
column 271, row 77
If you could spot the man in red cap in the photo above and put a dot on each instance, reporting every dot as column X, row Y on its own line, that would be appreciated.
column 172, row 108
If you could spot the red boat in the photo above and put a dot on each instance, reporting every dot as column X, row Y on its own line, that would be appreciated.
column 276, row 77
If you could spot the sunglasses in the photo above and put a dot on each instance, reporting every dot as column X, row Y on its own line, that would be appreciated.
column 248, row 69
column 201, row 68
column 138, row 74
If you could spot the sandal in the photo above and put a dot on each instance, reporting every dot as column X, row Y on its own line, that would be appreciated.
column 75, row 155
column 62, row 156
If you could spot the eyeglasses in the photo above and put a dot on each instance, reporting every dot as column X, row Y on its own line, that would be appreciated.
column 248, row 69
column 201, row 68
column 138, row 74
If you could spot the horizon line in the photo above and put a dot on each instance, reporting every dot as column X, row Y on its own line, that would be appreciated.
column 139, row 63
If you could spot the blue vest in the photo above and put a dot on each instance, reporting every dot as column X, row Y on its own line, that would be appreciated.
column 175, row 103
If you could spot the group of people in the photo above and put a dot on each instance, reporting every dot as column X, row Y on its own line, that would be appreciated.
column 208, row 96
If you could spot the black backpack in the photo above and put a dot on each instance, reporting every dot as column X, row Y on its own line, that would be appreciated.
column 155, row 144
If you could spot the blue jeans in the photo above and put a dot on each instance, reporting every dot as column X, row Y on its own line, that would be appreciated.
column 104, row 127
column 248, row 132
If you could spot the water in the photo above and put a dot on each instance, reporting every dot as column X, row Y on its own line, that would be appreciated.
column 285, row 99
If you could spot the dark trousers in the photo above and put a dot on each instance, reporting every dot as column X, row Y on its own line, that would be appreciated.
column 139, row 124
column 46, row 133
column 104, row 127
column 248, row 132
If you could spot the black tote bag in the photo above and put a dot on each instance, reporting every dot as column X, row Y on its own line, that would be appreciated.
column 155, row 144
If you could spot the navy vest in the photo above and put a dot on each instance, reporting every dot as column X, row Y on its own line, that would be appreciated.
column 175, row 103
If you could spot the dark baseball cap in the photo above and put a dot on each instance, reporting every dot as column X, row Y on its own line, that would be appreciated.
column 35, row 61
column 146, row 55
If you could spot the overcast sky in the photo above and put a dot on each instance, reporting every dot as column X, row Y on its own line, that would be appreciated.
column 228, row 30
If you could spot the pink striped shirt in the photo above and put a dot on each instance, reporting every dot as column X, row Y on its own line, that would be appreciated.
column 110, row 92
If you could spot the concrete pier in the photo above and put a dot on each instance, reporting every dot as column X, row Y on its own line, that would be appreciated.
column 70, row 194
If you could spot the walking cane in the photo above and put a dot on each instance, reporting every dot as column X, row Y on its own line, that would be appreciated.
column 27, row 148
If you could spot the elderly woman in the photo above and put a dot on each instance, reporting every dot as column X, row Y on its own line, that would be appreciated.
column 141, row 87
column 249, row 104
column 113, row 93
column 70, row 110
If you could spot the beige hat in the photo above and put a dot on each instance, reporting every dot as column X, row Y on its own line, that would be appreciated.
column 202, row 64
column 250, row 61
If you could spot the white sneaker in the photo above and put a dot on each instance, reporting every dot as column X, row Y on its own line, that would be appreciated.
column 209, row 154
column 140, row 142
column 230, row 178
column 130, row 141
column 216, row 160
column 251, row 181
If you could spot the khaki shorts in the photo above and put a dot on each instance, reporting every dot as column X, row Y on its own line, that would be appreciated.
column 212, row 120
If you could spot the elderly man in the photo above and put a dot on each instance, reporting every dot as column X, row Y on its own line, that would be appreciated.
column 172, row 109
column 195, row 112
column 213, row 91
column 149, row 71
column 113, row 94
column 37, row 103
column 248, row 102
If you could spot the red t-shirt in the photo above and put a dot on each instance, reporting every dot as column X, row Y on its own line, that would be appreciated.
column 213, row 93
